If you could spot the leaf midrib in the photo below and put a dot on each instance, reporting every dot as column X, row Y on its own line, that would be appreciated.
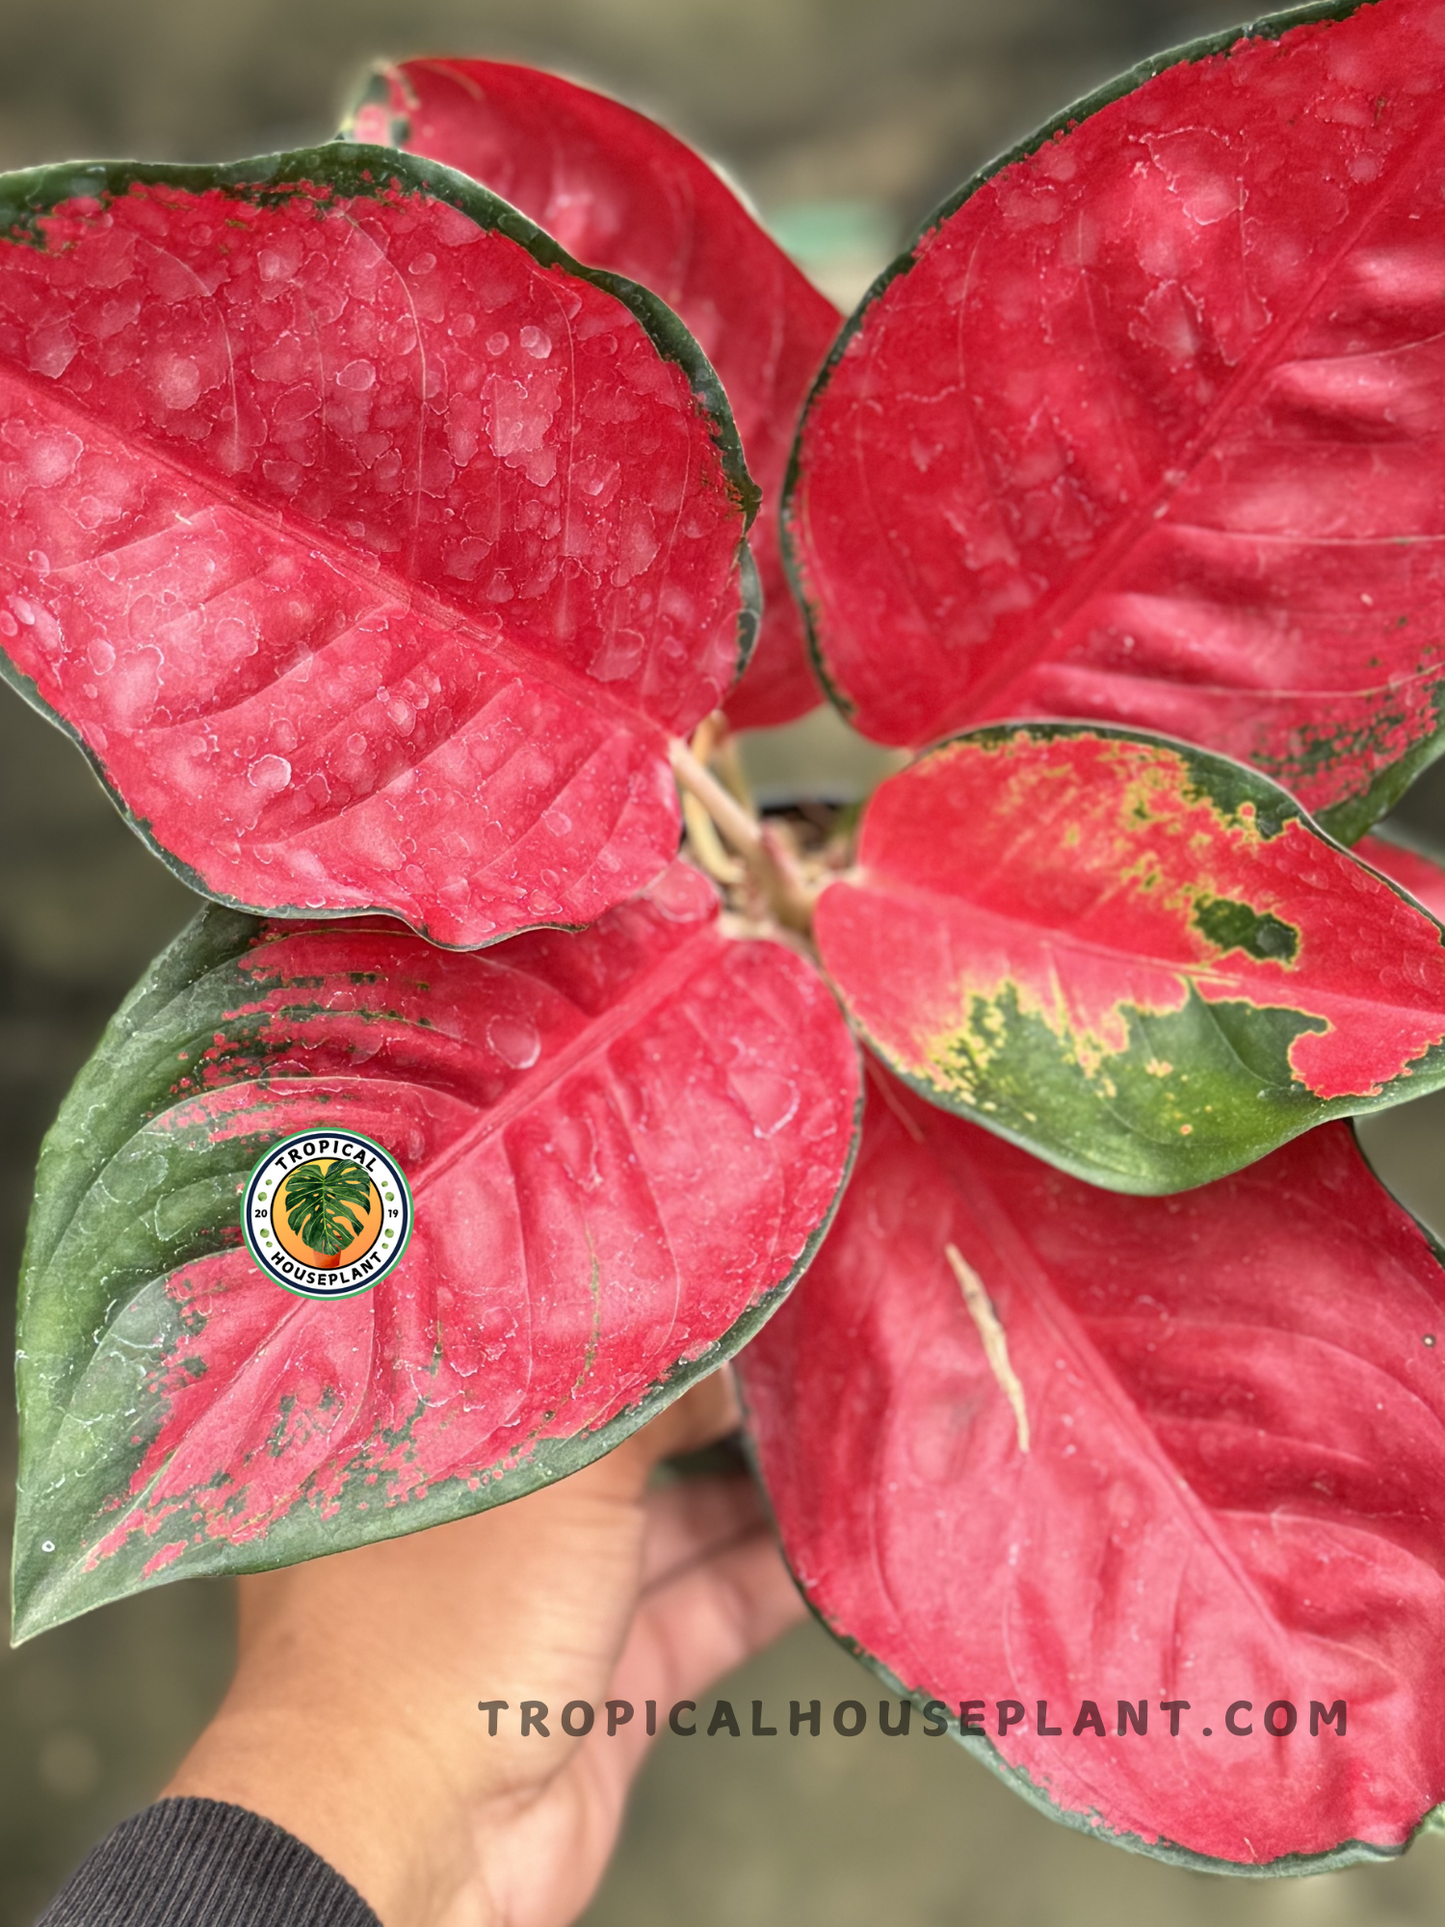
column 595, row 1037
column 363, row 573
column 652, row 988
column 1070, row 1331
column 1030, row 1277
column 1191, row 972
column 1053, row 623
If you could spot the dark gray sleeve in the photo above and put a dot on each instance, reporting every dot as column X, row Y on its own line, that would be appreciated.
column 201, row 1863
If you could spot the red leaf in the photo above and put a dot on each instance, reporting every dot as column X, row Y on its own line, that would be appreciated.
column 369, row 547
column 622, row 1145
column 1236, row 1425
column 1145, row 428
column 621, row 193
column 1139, row 960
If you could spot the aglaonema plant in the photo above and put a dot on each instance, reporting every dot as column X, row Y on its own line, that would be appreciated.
column 390, row 564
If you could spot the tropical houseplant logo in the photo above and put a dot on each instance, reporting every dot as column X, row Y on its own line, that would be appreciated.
column 327, row 1216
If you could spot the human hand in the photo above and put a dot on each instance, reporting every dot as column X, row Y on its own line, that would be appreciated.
column 352, row 1720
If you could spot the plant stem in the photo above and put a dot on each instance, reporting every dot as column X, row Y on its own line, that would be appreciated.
column 707, row 846
column 743, row 831
column 730, row 768
column 772, row 869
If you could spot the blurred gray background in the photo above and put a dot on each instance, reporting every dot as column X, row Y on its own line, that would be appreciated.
column 846, row 120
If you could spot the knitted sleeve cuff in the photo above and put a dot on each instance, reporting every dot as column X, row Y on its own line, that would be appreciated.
column 202, row 1863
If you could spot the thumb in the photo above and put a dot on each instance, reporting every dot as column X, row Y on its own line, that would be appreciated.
column 702, row 1416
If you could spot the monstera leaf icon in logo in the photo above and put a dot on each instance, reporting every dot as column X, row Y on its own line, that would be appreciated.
column 327, row 1215
column 322, row 1202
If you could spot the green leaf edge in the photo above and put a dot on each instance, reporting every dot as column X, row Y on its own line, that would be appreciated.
column 1348, row 1853
column 1350, row 818
column 39, row 1608
column 359, row 172
column 1248, row 782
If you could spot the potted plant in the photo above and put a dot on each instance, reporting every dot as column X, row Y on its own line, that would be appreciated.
column 377, row 521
